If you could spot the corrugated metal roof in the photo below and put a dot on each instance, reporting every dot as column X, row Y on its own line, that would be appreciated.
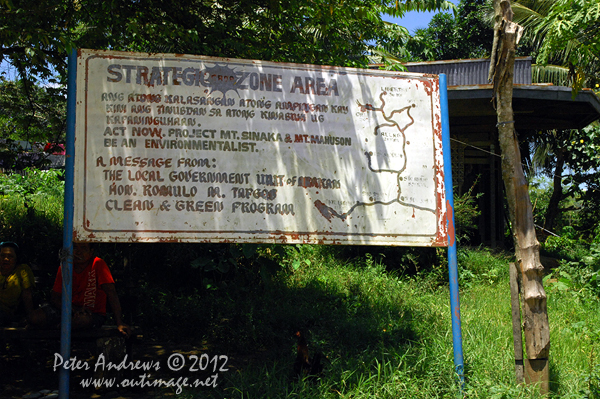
column 470, row 72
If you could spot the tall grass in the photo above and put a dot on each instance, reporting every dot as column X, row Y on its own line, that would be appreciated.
column 390, row 337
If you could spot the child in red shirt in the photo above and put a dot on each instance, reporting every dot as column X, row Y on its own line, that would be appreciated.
column 93, row 286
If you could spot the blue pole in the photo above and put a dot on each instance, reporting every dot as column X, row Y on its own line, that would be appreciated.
column 67, row 257
column 452, row 259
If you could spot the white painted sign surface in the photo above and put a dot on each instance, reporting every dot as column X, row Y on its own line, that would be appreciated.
column 198, row 149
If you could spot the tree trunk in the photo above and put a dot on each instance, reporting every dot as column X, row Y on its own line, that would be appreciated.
column 535, row 315
column 557, row 191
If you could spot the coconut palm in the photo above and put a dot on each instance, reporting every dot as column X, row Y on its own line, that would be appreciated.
column 565, row 36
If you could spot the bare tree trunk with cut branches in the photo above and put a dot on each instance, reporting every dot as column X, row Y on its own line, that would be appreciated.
column 553, row 210
column 535, row 314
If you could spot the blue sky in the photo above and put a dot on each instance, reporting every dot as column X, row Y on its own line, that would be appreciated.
column 414, row 20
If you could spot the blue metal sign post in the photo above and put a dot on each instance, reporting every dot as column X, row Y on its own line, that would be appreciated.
column 67, row 254
column 452, row 258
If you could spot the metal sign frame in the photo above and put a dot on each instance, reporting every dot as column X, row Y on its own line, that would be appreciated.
column 178, row 148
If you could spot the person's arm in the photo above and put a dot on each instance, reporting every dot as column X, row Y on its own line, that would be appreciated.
column 115, row 305
column 27, row 282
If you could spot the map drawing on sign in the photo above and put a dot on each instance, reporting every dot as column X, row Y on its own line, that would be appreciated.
column 379, row 160
column 176, row 148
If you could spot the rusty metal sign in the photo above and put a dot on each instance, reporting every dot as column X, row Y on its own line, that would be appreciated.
column 198, row 149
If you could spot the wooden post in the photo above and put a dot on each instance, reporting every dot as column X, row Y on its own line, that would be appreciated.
column 535, row 313
column 537, row 373
column 516, row 322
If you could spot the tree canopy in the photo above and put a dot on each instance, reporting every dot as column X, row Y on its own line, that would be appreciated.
column 31, row 112
column 37, row 35
column 464, row 34
column 35, row 38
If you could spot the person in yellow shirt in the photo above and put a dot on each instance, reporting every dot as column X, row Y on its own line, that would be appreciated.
column 16, row 285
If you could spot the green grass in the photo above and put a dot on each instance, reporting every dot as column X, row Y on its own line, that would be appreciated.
column 390, row 337
column 386, row 333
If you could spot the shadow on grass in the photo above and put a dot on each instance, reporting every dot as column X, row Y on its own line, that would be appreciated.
column 364, row 328
column 555, row 375
column 361, row 318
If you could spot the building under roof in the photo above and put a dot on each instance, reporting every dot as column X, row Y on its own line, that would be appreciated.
column 474, row 135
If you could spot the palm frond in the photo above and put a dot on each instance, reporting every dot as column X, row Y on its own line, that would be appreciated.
column 385, row 57
column 531, row 15
column 400, row 8
column 542, row 154
column 557, row 75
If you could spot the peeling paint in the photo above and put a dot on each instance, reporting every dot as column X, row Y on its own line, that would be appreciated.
column 450, row 216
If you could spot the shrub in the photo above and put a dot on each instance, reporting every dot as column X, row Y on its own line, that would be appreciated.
column 466, row 212
column 31, row 214
column 480, row 266
column 564, row 247
column 577, row 274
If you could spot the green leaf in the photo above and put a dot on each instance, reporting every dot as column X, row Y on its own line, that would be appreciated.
column 249, row 250
column 234, row 251
column 223, row 266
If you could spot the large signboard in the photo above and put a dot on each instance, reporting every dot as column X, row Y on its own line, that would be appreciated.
column 197, row 149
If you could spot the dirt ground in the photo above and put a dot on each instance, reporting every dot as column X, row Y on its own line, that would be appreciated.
column 26, row 368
